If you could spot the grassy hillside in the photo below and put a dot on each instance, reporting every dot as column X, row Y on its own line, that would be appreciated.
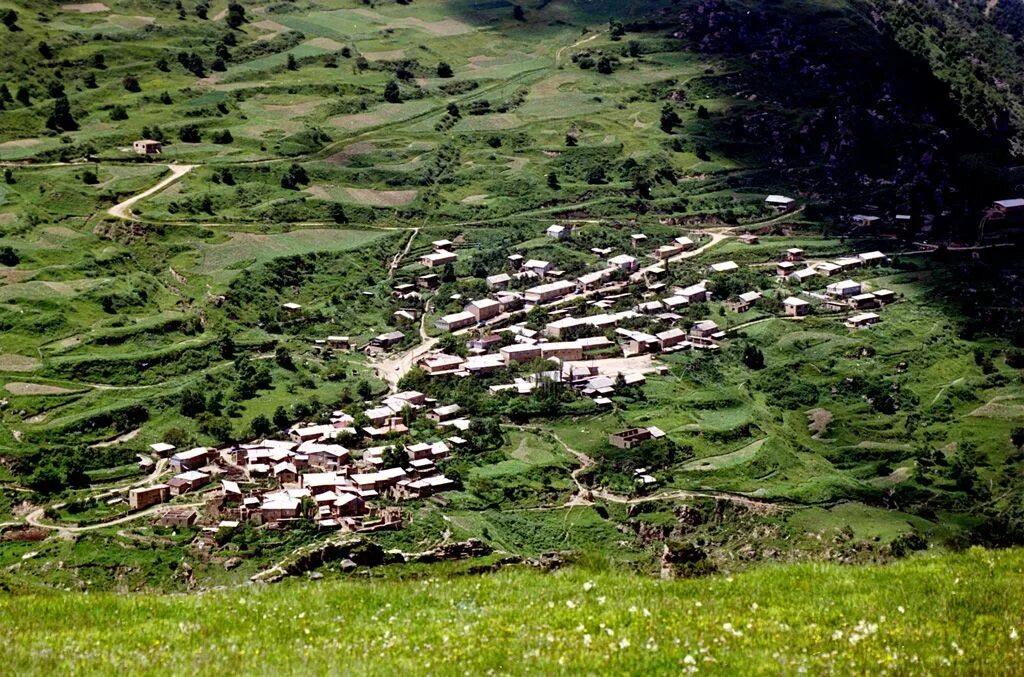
column 960, row 614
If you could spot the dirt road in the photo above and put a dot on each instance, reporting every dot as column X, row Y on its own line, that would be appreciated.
column 123, row 210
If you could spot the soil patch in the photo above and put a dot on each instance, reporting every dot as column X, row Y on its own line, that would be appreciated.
column 18, row 388
column 390, row 55
column 820, row 418
column 382, row 198
column 12, row 362
column 86, row 7
column 348, row 152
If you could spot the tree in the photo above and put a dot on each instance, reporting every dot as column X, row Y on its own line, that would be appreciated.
column 224, row 136
column 5, row 93
column 61, row 119
column 669, row 118
column 281, row 419
column 284, row 358
column 8, row 176
column 337, row 213
column 702, row 112
column 260, row 426
column 10, row 19
column 226, row 346
column 162, row 65
column 444, row 70
column 753, row 357
column 292, row 63
column 23, row 96
column 45, row 50
column 90, row 81
column 189, row 134
column 553, row 183
column 166, row 99
column 294, row 176
column 118, row 112
column 235, row 16
column 99, row 61
column 192, row 403
column 571, row 140
column 89, row 177
column 596, row 176
column 391, row 92
column 394, row 457
column 364, row 390
column 604, row 66
column 453, row 110
column 202, row 10
column 219, row 65
column 1016, row 437
column 9, row 257
column 131, row 83
column 518, row 13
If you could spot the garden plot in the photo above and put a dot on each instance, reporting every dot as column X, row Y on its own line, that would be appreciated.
column 85, row 7
column 20, row 388
column 729, row 460
column 243, row 247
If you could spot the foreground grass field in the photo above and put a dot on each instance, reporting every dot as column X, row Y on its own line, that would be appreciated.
column 959, row 613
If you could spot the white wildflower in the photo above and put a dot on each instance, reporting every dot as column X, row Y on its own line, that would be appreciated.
column 588, row 586
column 623, row 643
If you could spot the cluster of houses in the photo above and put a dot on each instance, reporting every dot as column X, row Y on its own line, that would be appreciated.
column 789, row 270
column 311, row 475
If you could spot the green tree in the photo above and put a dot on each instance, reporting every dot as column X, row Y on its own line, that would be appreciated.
column 189, row 134
column 292, row 64
column 260, row 426
column 553, row 183
column 235, row 16
column 337, row 212
column 23, row 96
column 391, row 92
column 669, row 118
column 753, row 357
column 131, row 83
column 10, row 19
column 9, row 257
column 394, row 457
column 364, row 390
column 444, row 70
column 281, row 418
column 284, row 358
column 518, row 13
column 61, row 119
column 118, row 112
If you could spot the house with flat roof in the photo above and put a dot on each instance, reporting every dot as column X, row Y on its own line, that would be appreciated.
column 187, row 481
column 438, row 258
column 147, row 147
column 483, row 309
column 455, row 321
column 863, row 320
column 559, row 232
column 723, row 267
column 844, row 289
column 550, row 292
column 780, row 203
column 796, row 307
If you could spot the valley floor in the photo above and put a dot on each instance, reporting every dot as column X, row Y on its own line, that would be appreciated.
column 932, row 614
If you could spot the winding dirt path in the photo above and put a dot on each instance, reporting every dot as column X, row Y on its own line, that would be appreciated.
column 123, row 210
